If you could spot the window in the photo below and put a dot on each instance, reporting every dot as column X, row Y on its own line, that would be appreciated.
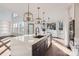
column 30, row 28
column 51, row 26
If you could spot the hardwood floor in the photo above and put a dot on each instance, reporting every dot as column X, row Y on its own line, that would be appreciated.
column 5, row 47
column 57, row 51
column 54, row 51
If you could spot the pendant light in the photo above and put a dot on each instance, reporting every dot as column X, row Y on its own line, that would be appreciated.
column 43, row 17
column 28, row 16
column 38, row 18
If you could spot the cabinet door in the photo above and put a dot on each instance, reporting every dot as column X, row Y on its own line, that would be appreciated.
column 36, row 49
column 33, row 52
column 42, row 49
column 46, row 44
column 39, row 51
column 49, row 41
column 36, row 52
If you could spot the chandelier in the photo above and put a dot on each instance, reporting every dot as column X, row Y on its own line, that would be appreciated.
column 28, row 16
column 38, row 18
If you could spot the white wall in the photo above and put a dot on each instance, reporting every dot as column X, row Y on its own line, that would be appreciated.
column 77, row 21
column 5, row 22
column 70, row 16
column 76, row 17
column 77, row 27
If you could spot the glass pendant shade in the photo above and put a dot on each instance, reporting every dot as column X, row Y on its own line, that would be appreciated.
column 38, row 19
column 28, row 16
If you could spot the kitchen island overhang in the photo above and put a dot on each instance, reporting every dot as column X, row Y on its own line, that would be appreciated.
column 30, row 46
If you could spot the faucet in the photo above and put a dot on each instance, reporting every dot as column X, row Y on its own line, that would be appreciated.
column 37, row 31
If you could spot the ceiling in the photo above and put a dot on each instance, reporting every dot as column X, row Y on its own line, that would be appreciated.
column 52, row 10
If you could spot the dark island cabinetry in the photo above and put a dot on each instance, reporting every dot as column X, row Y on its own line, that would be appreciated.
column 40, row 48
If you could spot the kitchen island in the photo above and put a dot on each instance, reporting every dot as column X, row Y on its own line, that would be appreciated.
column 30, row 45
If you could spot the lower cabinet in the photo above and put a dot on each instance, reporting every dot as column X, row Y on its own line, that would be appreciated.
column 39, row 49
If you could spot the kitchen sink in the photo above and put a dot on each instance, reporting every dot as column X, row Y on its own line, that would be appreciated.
column 38, row 36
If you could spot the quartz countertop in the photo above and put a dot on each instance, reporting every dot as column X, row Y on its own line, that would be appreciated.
column 22, row 45
column 30, row 40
